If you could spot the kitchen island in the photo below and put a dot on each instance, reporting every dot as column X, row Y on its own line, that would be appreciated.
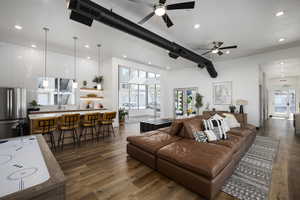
column 28, row 170
column 58, row 113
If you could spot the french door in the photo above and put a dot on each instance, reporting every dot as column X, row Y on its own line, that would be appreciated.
column 284, row 103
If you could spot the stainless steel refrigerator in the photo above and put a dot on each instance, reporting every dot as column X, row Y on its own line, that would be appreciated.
column 13, row 111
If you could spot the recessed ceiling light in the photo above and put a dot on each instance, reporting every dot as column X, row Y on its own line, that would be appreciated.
column 87, row 46
column 281, row 40
column 215, row 51
column 168, row 68
column 89, row 58
column 124, row 56
column 196, row 26
column 20, row 57
column 18, row 27
column 282, row 63
column 280, row 13
column 33, row 46
column 227, row 52
column 149, row 63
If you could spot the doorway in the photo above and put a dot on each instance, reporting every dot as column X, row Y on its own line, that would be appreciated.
column 284, row 105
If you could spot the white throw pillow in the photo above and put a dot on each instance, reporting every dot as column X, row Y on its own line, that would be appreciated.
column 231, row 120
column 211, row 136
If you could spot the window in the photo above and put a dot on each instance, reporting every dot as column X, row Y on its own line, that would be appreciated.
column 59, row 92
column 142, row 96
column 138, row 89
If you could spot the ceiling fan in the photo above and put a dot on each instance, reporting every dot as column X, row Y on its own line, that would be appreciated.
column 217, row 49
column 160, row 9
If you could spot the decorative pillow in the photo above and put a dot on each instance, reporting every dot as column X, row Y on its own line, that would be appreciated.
column 175, row 127
column 200, row 136
column 211, row 136
column 219, row 127
column 231, row 120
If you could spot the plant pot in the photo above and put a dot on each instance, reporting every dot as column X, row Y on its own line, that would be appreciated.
column 122, row 122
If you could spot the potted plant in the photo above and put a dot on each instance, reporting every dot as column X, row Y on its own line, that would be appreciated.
column 199, row 103
column 34, row 106
column 232, row 108
column 98, row 80
column 122, row 115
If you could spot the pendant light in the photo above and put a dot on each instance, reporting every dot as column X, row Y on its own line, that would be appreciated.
column 75, row 84
column 99, row 86
column 45, row 80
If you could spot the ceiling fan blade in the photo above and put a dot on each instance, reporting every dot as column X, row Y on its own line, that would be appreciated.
column 142, row 2
column 146, row 18
column 229, row 47
column 167, row 20
column 185, row 5
column 220, row 53
column 206, row 53
column 162, row 1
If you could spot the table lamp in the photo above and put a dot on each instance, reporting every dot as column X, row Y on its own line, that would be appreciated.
column 241, row 103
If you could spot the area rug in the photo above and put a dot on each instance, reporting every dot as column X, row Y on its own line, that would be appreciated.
column 252, row 177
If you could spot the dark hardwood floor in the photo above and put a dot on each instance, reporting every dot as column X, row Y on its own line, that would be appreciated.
column 102, row 170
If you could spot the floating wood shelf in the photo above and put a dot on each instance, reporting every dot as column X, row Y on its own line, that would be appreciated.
column 91, row 98
column 90, row 89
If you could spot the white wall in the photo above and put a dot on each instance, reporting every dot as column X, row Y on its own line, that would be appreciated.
column 21, row 66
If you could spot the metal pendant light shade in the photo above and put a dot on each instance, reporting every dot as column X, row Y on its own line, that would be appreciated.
column 99, row 86
column 45, row 80
column 75, row 83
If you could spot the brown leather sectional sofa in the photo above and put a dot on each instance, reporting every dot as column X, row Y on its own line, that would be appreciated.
column 201, row 167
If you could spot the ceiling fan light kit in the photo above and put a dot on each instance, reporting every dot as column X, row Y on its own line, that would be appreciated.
column 160, row 9
column 217, row 48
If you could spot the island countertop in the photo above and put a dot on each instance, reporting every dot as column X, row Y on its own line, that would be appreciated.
column 58, row 113
column 52, row 188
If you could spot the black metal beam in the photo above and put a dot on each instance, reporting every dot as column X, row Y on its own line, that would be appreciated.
column 85, row 11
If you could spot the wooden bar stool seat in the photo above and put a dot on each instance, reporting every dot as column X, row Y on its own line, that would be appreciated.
column 46, row 126
column 68, row 123
column 107, row 122
column 90, row 122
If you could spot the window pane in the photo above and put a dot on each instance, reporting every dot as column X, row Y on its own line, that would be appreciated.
column 124, row 74
column 142, row 96
column 158, row 95
column 124, row 96
column 151, row 96
column 134, row 76
column 134, row 95
column 142, row 77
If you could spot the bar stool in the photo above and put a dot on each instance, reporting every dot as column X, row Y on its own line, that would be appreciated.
column 68, row 123
column 89, row 122
column 99, row 124
column 107, row 122
column 46, row 126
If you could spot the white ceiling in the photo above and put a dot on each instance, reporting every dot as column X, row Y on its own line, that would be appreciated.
column 251, row 25
column 282, row 68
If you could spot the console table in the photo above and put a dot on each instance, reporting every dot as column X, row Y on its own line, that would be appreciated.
column 151, row 125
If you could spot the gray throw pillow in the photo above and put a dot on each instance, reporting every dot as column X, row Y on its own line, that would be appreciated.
column 200, row 136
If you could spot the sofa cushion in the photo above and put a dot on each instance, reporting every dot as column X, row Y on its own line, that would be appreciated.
column 251, row 128
column 233, row 141
column 153, row 141
column 165, row 130
column 175, row 127
column 240, row 132
column 205, row 159
column 191, row 126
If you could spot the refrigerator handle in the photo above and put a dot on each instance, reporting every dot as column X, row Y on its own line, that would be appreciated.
column 11, row 102
column 8, row 103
